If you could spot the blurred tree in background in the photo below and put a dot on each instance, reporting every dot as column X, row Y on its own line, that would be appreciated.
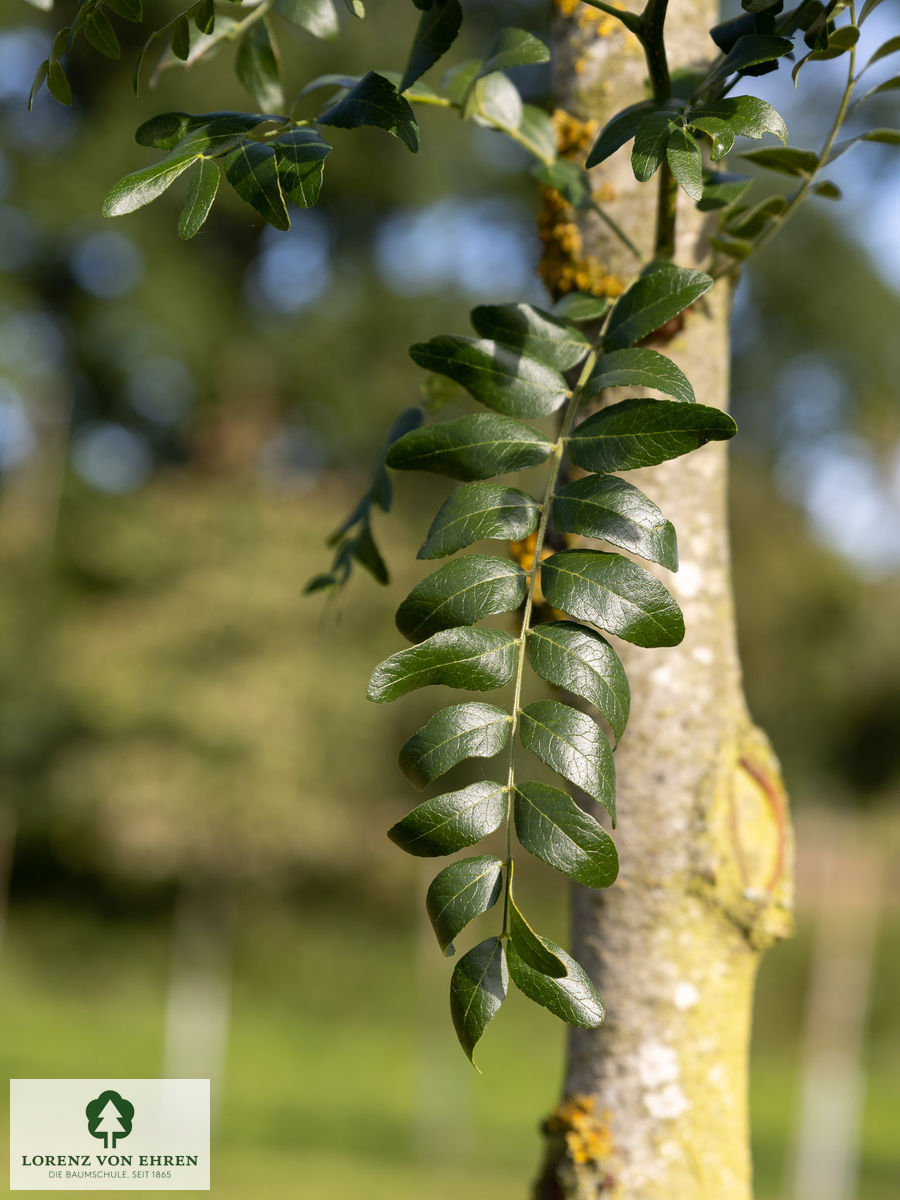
column 177, row 427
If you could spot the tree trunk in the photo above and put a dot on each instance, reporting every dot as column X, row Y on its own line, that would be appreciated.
column 655, row 1101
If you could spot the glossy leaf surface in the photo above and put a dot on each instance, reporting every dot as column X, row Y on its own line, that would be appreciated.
column 476, row 511
column 375, row 101
column 579, row 660
column 572, row 998
column 604, row 506
column 661, row 293
column 453, row 821
column 477, row 659
column 532, row 332
column 460, row 593
column 640, row 367
column 552, row 827
column 460, row 893
column 460, row 731
column 530, row 946
column 474, row 447
column 642, row 433
column 498, row 377
column 438, row 26
column 572, row 745
column 477, row 989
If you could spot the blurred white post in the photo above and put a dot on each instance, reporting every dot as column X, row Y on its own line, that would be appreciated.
column 846, row 890
column 198, row 1004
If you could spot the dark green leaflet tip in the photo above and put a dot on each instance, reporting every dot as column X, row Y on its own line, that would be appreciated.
column 476, row 511
column 477, row 989
column 374, row 100
column 614, row 593
column 476, row 659
column 572, row 998
column 661, row 293
column 530, row 947
column 460, row 593
column 462, row 892
column 533, row 332
column 640, row 367
column 453, row 821
column 551, row 826
column 457, row 732
column 642, row 433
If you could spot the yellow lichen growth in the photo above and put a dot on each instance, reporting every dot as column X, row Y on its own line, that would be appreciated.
column 603, row 23
column 564, row 266
column 573, row 137
column 523, row 553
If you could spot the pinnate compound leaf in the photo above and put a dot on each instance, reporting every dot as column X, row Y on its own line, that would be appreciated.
column 641, row 367
column 318, row 17
column 531, row 948
column 685, row 162
column 532, row 332
column 457, row 732
column 662, row 292
column 552, row 827
column 480, row 510
column 498, row 377
column 445, row 824
column 462, row 892
column 477, row 659
column 572, row 998
column 607, row 507
column 374, row 100
column 141, row 187
column 642, row 433
column 473, row 447
column 615, row 593
column 257, row 67
column 571, row 744
column 579, row 660
column 620, row 129
column 300, row 155
column 477, row 989
column 460, row 593
column 201, row 194
column 438, row 26
column 252, row 170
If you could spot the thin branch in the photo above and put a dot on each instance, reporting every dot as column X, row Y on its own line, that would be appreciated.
column 630, row 20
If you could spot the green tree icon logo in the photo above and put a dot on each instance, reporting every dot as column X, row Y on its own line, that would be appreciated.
column 109, row 1117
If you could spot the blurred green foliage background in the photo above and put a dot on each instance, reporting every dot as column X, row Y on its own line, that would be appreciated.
column 193, row 791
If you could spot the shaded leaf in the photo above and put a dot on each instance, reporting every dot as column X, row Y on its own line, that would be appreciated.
column 572, row 998
column 374, row 100
column 203, row 13
column 477, row 989
column 99, row 32
column 642, row 433
column 494, row 100
column 537, row 134
column 661, row 293
column 552, row 827
column 573, row 746
column 300, row 155
column 685, row 162
column 581, row 307
column 650, row 140
column 58, row 83
column 514, row 48
column 201, row 194
column 457, row 732
column 721, row 190
column 614, row 593
column 436, row 32
column 640, row 367
column 531, row 948
column 473, row 447
column 257, row 67
column 785, row 160
column 131, row 10
column 532, row 332
column 318, row 17
column 460, row 593
column 604, row 506
column 498, row 377
column 476, row 659
column 445, row 824
column 476, row 511
column 620, row 129
column 578, row 659
column 181, row 38
column 252, row 170
column 749, row 50
column 891, row 46
column 462, row 892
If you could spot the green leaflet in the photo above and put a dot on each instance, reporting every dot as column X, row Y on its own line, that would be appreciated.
column 573, row 657
column 99, row 32
column 685, row 161
column 139, row 188
column 580, row 307
column 642, row 433
column 786, row 160
column 476, row 659
column 461, row 892
column 436, row 32
column 461, row 593
column 514, row 48
column 530, row 946
column 640, row 367
column 536, row 134
column 614, row 593
column 650, row 141
column 299, row 155
column 201, row 194
column 662, row 292
column 317, row 17
column 374, row 100
column 457, row 732
column 453, row 821
column 252, row 170
column 477, row 989
column 257, row 67
column 572, row 998
column 552, row 827
column 620, row 129
column 494, row 100
column 571, row 744
column 532, row 332
column 476, row 511
column 720, row 190
column 725, row 119
column 473, row 447
column 749, row 50
column 207, row 132
column 604, row 506
column 498, row 377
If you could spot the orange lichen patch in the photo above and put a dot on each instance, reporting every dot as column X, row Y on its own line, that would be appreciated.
column 573, row 137
column 588, row 1138
column 602, row 22
column 564, row 267
column 523, row 553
